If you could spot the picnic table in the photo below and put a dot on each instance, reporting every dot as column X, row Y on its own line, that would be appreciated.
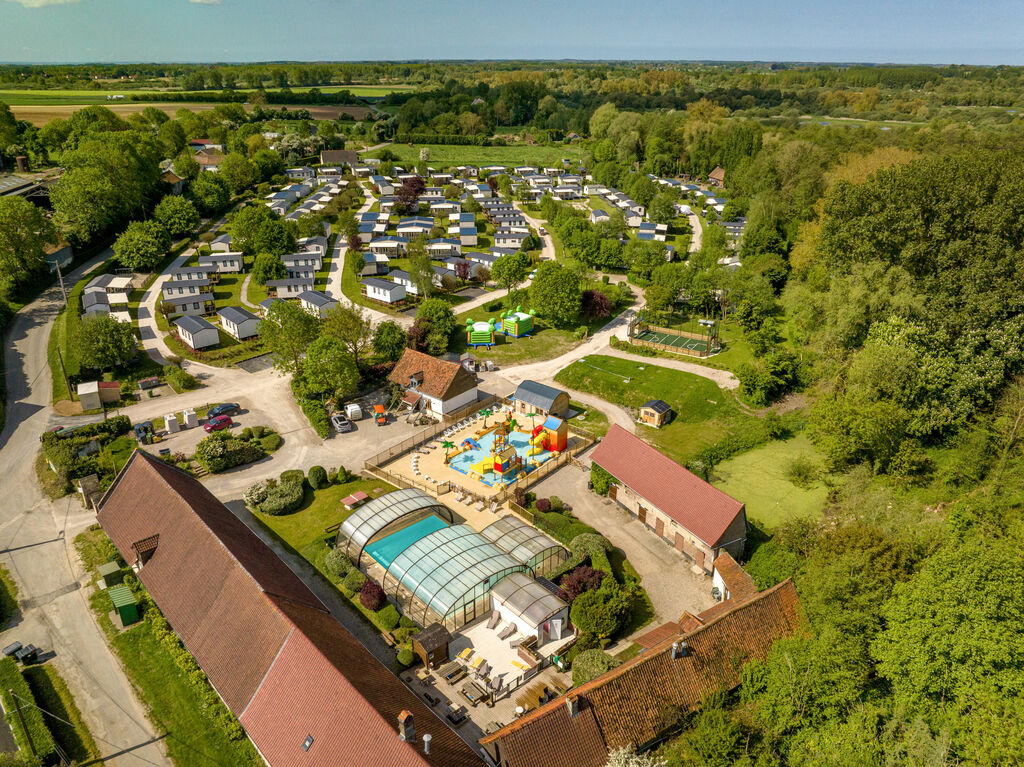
column 452, row 672
column 472, row 692
column 351, row 501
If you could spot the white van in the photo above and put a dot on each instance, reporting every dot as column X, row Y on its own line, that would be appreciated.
column 352, row 411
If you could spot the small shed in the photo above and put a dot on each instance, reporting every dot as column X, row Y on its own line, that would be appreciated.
column 111, row 573
column 92, row 394
column 124, row 604
column 538, row 398
column 655, row 413
column 431, row 645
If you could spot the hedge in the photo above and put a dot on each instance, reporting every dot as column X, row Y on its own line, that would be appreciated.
column 271, row 442
column 405, row 657
column 283, row 499
column 602, row 479
column 293, row 475
column 337, row 563
column 318, row 477
column 62, row 450
column 387, row 617
column 353, row 582
column 563, row 527
column 314, row 411
column 35, row 729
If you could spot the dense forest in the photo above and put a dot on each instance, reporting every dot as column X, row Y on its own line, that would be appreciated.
column 881, row 286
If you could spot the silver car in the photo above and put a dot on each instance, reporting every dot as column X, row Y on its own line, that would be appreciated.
column 341, row 424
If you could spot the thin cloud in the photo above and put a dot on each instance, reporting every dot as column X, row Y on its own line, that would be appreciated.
column 205, row 2
column 41, row 3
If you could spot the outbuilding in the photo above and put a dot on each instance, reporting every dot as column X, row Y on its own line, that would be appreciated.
column 541, row 399
column 655, row 413
column 239, row 323
column 434, row 385
column 93, row 394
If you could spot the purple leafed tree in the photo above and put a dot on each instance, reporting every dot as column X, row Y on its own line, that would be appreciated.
column 583, row 578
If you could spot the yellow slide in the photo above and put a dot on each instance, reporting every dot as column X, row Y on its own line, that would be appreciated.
column 536, row 450
column 538, row 439
column 484, row 466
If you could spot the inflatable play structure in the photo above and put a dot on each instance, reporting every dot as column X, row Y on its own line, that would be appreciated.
column 517, row 323
column 480, row 333
column 552, row 436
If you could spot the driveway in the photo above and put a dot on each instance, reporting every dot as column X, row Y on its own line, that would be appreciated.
column 36, row 538
column 667, row 576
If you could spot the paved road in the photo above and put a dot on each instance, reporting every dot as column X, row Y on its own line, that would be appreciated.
column 698, row 233
column 35, row 544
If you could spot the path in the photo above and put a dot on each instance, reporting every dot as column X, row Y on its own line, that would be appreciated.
column 245, row 292
column 36, row 538
column 547, row 250
column 698, row 233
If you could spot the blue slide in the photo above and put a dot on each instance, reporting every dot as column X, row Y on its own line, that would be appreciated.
column 472, row 443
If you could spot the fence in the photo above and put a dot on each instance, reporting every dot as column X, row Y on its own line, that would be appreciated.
column 667, row 348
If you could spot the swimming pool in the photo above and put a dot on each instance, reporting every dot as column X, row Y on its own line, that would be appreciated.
column 386, row 549
column 519, row 440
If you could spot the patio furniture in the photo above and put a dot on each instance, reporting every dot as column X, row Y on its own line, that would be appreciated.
column 494, row 621
column 506, row 632
column 516, row 642
column 519, row 665
column 477, row 662
column 452, row 672
column 471, row 691
column 483, row 671
column 465, row 654
column 456, row 716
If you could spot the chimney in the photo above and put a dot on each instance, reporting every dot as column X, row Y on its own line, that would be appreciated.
column 426, row 743
column 679, row 649
column 573, row 704
column 406, row 731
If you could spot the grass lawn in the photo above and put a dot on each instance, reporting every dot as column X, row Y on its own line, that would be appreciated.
column 593, row 419
column 445, row 155
column 704, row 414
column 758, row 479
column 56, row 97
column 225, row 355
column 70, row 732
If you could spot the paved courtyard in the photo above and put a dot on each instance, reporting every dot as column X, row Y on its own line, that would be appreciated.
column 667, row 575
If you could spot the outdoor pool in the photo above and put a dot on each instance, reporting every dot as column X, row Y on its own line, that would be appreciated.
column 386, row 549
column 519, row 440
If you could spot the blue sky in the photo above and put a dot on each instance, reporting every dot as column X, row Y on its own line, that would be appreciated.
column 905, row 31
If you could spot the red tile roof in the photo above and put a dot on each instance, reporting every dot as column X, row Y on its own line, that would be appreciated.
column 436, row 378
column 576, row 740
column 702, row 509
column 739, row 584
column 629, row 702
column 266, row 642
column 659, row 634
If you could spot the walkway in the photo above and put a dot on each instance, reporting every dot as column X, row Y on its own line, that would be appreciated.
column 698, row 233
column 245, row 292
column 36, row 538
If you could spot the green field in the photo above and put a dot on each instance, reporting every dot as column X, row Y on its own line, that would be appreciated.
column 445, row 155
column 704, row 414
column 56, row 97
column 758, row 479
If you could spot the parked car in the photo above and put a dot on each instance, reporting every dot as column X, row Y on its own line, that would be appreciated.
column 218, row 423
column 341, row 424
column 227, row 408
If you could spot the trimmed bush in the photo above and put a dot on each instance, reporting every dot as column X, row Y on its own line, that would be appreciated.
column 179, row 379
column 581, row 580
column 260, row 431
column 283, row 499
column 587, row 544
column 371, row 596
column 406, row 622
column 271, row 442
column 405, row 657
column 591, row 663
column 353, row 581
column 337, row 563
column 255, row 495
column 221, row 451
column 35, row 726
column 602, row 479
column 387, row 617
column 314, row 411
column 555, row 503
column 603, row 611
column 246, row 434
column 318, row 477
column 543, row 505
column 293, row 475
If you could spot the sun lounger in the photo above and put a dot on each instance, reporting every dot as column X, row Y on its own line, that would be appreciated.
column 480, row 506
column 477, row 662
column 519, row 665
column 506, row 632
column 494, row 621
column 516, row 642
column 465, row 654
column 483, row 671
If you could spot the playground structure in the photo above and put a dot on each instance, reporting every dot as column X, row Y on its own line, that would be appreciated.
column 517, row 323
column 693, row 344
column 480, row 333
column 551, row 436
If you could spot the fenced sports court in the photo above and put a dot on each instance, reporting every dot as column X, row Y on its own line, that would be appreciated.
column 676, row 341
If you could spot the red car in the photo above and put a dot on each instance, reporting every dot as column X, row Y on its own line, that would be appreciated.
column 218, row 423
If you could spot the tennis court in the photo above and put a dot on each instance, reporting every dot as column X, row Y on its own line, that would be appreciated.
column 679, row 342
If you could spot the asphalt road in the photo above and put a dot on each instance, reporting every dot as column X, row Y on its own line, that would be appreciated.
column 36, row 545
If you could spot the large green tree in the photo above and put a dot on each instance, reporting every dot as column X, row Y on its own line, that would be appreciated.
column 105, row 342
column 141, row 246
column 329, row 367
column 390, row 340
column 287, row 331
column 238, row 171
column 511, row 271
column 24, row 234
column 210, row 193
column 556, row 293
column 351, row 327
column 176, row 215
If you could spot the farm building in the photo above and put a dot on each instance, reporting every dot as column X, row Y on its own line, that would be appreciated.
column 433, row 385
column 534, row 397
column 270, row 648
column 686, row 512
column 197, row 332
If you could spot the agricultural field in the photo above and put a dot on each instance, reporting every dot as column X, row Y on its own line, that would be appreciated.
column 41, row 112
column 445, row 155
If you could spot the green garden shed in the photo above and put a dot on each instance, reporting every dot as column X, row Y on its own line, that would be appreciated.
column 124, row 604
column 111, row 574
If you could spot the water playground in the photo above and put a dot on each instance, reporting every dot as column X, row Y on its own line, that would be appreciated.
column 499, row 453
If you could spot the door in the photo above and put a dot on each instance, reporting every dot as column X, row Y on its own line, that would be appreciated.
column 612, row 491
column 659, row 527
column 679, row 543
column 642, row 513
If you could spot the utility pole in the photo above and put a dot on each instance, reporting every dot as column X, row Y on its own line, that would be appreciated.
column 61, row 278
column 64, row 372
column 21, row 718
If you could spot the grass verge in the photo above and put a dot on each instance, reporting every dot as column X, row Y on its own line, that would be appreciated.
column 62, row 715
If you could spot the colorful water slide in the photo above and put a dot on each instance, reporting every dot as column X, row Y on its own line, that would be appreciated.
column 470, row 442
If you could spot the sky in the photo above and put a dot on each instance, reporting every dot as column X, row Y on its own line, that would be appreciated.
column 883, row 31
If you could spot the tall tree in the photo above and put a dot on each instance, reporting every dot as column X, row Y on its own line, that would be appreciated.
column 141, row 246
column 24, row 234
column 105, row 342
column 329, row 368
column 287, row 331
column 351, row 327
column 176, row 215
column 556, row 293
